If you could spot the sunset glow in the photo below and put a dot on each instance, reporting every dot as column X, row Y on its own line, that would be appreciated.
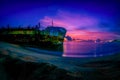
column 92, row 35
column 79, row 26
column 82, row 19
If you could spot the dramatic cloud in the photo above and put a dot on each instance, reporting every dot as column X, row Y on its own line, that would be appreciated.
column 81, row 25
column 78, row 16
column 71, row 21
column 83, row 34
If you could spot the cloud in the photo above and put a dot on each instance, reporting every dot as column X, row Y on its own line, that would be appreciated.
column 93, row 35
column 82, row 28
column 70, row 21
column 82, row 25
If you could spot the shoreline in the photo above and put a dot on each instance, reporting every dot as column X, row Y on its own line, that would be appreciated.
column 78, row 67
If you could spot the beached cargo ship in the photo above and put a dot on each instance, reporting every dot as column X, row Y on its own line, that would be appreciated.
column 50, row 38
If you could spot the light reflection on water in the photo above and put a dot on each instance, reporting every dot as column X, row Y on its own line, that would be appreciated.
column 89, row 49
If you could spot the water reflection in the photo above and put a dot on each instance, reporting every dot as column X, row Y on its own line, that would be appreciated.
column 89, row 49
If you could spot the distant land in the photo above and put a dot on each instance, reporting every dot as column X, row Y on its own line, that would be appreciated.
column 69, row 38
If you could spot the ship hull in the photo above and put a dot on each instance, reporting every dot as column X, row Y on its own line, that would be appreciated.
column 40, row 39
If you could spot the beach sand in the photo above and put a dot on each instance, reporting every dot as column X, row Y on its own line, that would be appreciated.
column 86, row 68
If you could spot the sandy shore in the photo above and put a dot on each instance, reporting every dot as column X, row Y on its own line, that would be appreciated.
column 94, row 68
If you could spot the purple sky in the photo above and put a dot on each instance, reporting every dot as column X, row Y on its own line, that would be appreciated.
column 74, row 15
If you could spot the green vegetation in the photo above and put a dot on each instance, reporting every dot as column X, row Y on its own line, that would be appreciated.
column 51, row 38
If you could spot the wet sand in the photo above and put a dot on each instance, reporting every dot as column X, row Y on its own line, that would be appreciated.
column 95, row 68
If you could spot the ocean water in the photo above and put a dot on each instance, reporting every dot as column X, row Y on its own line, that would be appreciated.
column 90, row 49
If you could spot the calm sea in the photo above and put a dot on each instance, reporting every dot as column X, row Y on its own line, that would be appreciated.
column 90, row 49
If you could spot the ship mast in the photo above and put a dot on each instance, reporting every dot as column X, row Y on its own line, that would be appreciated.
column 52, row 23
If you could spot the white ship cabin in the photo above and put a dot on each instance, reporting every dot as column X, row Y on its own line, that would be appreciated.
column 55, row 31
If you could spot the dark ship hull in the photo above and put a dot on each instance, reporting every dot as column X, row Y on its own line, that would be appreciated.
column 50, row 38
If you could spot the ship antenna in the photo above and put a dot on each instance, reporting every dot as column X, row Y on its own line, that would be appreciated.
column 52, row 22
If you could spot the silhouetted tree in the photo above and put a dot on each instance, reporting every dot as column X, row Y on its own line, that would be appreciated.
column 2, row 27
column 19, row 27
column 39, row 25
column 8, row 26
column 68, row 38
column 98, row 40
column 36, row 27
column 28, row 27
